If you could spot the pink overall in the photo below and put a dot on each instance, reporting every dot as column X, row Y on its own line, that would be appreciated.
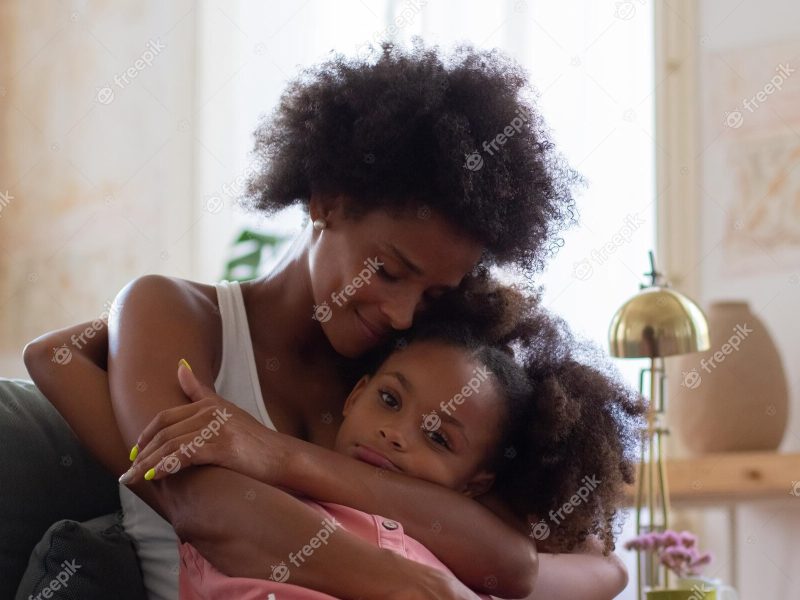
column 199, row 580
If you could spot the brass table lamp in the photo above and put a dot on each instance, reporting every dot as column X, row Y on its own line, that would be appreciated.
column 656, row 322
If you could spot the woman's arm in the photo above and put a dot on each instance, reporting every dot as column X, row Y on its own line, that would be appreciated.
column 585, row 574
column 235, row 530
column 154, row 325
column 241, row 526
column 478, row 546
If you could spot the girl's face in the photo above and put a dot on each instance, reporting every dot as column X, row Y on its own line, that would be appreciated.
column 371, row 275
column 409, row 417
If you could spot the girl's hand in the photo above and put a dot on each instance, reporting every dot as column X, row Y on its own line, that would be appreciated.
column 210, row 430
column 414, row 581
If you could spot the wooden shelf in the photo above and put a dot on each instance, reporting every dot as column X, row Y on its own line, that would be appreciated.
column 730, row 477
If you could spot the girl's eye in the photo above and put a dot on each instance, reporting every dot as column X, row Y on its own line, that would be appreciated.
column 388, row 399
column 439, row 439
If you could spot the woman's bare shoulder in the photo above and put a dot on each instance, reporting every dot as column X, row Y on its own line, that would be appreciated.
column 195, row 302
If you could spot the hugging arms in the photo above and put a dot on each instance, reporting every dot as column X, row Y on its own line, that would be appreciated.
column 242, row 526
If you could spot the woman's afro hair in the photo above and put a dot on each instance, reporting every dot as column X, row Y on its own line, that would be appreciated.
column 410, row 130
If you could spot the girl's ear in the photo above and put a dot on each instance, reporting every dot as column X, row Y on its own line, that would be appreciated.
column 478, row 485
column 354, row 393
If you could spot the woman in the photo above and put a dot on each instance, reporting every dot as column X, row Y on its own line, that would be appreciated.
column 377, row 154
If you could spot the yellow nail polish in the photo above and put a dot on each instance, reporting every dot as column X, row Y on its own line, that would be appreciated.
column 134, row 452
column 186, row 364
column 150, row 474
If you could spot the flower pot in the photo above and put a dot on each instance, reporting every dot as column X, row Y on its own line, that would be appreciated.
column 681, row 595
column 733, row 397
column 702, row 585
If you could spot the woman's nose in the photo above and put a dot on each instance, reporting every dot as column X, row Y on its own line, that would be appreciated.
column 400, row 310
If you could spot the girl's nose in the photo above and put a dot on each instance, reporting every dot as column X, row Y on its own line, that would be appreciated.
column 394, row 437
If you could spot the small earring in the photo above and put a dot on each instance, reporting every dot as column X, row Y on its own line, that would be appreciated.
column 320, row 224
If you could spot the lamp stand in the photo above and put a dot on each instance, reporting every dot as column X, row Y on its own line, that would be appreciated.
column 652, row 493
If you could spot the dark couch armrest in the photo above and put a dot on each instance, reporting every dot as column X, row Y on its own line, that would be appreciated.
column 45, row 476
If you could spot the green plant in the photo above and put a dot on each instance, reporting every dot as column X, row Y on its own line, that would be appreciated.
column 254, row 244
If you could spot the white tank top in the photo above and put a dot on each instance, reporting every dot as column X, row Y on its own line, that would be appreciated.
column 237, row 381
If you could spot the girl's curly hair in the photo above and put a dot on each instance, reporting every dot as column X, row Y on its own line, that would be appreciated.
column 415, row 130
column 571, row 432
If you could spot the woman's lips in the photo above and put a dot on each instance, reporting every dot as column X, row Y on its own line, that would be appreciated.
column 373, row 457
column 369, row 329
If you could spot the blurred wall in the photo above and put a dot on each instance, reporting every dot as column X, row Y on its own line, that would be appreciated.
column 96, row 162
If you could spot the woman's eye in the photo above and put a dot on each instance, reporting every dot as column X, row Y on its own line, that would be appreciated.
column 386, row 275
column 388, row 399
column 438, row 438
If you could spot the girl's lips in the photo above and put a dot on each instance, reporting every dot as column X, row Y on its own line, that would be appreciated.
column 373, row 457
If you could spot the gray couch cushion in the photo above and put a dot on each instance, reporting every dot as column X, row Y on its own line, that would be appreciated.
column 84, row 561
column 45, row 476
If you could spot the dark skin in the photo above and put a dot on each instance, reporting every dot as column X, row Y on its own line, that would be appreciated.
column 182, row 318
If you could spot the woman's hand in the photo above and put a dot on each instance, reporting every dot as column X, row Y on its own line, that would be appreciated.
column 209, row 430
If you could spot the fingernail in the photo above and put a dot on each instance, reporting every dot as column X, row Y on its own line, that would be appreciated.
column 150, row 474
column 186, row 364
column 134, row 452
column 127, row 476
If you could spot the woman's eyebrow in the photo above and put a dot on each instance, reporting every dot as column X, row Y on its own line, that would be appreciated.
column 414, row 268
column 405, row 260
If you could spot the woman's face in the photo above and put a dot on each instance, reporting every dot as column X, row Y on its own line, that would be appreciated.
column 371, row 275
column 413, row 416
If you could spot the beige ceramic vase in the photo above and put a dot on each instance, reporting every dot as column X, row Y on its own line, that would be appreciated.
column 733, row 397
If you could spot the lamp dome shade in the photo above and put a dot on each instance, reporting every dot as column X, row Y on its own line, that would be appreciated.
column 658, row 321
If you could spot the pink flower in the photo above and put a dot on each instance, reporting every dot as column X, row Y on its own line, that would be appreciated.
column 676, row 551
column 688, row 539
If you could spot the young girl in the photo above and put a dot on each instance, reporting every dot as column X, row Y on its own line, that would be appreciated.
column 453, row 406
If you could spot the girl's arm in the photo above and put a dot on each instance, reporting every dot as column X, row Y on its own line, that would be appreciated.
column 221, row 512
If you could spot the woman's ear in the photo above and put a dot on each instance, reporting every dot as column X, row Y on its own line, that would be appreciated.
column 354, row 393
column 321, row 206
column 478, row 485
